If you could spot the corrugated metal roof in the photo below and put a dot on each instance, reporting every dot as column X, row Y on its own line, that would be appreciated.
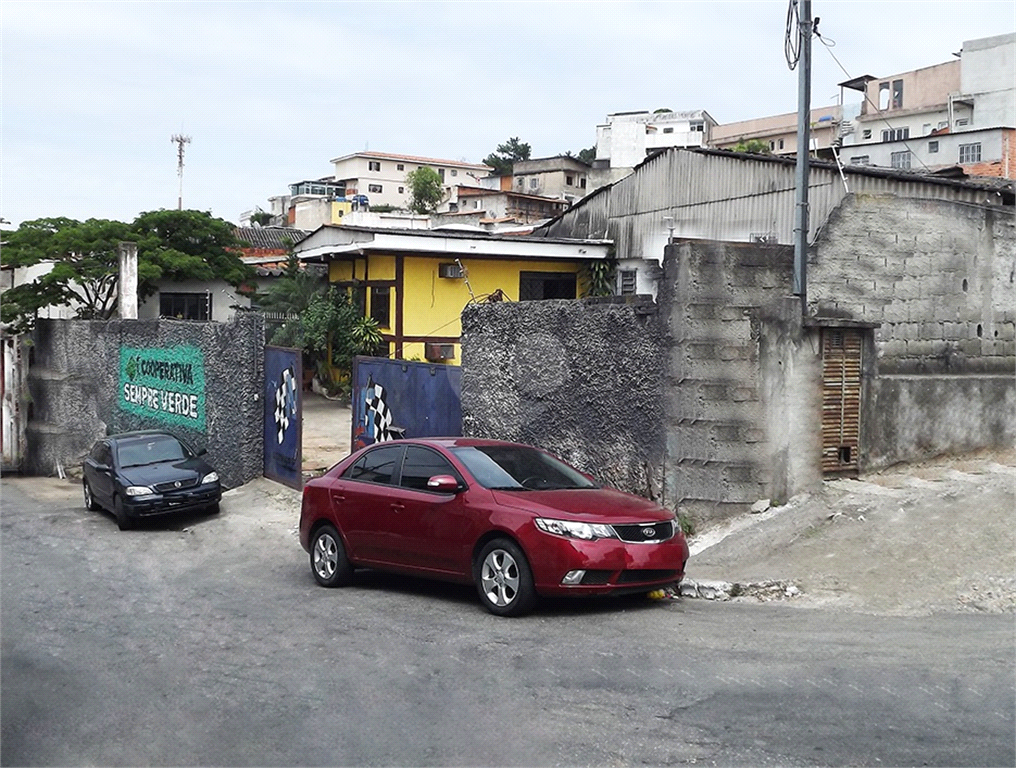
column 721, row 195
column 270, row 237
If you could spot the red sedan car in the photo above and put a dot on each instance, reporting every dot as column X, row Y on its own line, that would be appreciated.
column 512, row 519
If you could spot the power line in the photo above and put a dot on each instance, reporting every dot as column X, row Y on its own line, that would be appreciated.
column 829, row 46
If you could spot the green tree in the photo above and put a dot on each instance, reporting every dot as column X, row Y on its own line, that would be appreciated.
column 262, row 218
column 85, row 259
column 191, row 245
column 426, row 189
column 172, row 245
column 321, row 320
column 753, row 146
column 506, row 155
column 587, row 155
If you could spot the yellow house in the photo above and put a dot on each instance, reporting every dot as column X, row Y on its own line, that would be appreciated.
column 415, row 283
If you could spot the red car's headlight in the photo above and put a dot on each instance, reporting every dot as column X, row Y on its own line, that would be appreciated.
column 575, row 530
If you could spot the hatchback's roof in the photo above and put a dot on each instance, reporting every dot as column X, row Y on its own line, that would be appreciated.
column 139, row 434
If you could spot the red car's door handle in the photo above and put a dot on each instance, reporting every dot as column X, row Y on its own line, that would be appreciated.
column 398, row 507
column 338, row 497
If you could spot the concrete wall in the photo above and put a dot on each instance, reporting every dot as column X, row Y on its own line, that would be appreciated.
column 995, row 144
column 742, row 391
column 936, row 275
column 939, row 278
column 77, row 381
column 580, row 378
column 988, row 68
column 737, row 368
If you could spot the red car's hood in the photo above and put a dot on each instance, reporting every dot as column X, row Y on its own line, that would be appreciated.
column 588, row 505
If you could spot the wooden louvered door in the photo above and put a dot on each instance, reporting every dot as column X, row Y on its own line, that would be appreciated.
column 841, row 399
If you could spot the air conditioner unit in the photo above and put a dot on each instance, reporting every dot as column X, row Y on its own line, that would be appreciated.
column 449, row 270
column 437, row 352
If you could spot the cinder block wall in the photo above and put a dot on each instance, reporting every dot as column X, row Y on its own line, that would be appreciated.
column 940, row 278
column 74, row 381
column 738, row 374
column 579, row 378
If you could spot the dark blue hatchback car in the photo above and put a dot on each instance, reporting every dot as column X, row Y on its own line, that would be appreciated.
column 143, row 474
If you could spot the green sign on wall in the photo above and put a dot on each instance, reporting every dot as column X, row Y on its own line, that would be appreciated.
column 164, row 383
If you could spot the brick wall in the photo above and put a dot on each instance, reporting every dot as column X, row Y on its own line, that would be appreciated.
column 1005, row 167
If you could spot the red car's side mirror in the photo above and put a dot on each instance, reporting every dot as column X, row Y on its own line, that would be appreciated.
column 443, row 484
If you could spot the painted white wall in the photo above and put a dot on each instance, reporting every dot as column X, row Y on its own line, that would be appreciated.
column 22, row 275
column 988, row 73
column 223, row 295
column 948, row 149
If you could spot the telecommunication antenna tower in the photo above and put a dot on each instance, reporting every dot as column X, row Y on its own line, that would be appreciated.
column 181, row 141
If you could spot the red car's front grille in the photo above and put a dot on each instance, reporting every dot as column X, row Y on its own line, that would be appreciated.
column 642, row 532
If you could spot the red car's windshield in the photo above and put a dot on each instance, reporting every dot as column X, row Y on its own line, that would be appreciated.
column 516, row 467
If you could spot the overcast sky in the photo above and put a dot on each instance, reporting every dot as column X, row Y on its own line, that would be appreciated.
column 271, row 91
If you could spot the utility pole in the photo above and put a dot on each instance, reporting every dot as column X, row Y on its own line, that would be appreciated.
column 804, row 32
column 181, row 141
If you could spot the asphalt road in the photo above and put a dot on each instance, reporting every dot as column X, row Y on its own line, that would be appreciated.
column 206, row 642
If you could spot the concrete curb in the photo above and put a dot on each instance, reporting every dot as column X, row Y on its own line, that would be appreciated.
column 765, row 591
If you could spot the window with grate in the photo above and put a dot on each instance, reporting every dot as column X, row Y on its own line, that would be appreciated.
column 375, row 188
column 380, row 305
column 900, row 159
column 373, row 165
column 896, row 134
column 628, row 281
column 932, row 147
column 184, row 306
column 536, row 286
column 970, row 153
column 860, row 160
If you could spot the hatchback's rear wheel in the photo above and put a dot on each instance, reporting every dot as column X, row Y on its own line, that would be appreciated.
column 504, row 580
column 328, row 561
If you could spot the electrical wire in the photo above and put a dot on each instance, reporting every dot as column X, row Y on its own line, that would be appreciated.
column 792, row 41
column 829, row 45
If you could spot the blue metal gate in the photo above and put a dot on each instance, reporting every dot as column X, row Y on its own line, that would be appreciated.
column 396, row 398
column 284, row 416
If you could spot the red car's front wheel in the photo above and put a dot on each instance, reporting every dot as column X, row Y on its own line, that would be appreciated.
column 504, row 580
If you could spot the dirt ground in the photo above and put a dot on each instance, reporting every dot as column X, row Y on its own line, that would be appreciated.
column 939, row 536
column 915, row 539
column 326, row 432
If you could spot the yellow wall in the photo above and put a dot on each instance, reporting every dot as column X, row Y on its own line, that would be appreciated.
column 432, row 305
column 340, row 209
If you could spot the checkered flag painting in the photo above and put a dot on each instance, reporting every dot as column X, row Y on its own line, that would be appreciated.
column 285, row 402
column 379, row 416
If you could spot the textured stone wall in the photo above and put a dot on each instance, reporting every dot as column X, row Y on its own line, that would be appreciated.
column 79, row 369
column 580, row 378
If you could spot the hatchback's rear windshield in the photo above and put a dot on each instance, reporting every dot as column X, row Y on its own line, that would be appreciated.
column 511, row 467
